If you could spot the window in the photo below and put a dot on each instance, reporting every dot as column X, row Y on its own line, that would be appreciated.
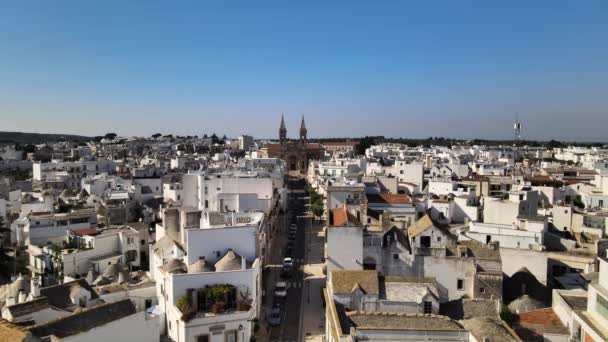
column 601, row 306
column 148, row 303
column 439, row 239
column 460, row 284
column 395, row 256
column 202, row 338
column 206, row 204
column 482, row 290
column 428, row 307
column 143, row 242
column 230, row 336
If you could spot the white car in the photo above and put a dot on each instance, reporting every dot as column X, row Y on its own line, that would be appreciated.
column 288, row 262
column 280, row 289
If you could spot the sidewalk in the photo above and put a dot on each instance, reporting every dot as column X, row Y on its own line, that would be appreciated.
column 313, row 312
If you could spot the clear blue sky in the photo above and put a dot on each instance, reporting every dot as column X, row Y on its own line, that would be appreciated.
column 396, row 68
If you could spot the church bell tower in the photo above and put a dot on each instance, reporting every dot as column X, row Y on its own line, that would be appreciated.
column 282, row 131
column 303, row 131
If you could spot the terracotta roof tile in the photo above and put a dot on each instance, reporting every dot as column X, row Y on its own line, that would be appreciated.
column 390, row 198
column 533, row 325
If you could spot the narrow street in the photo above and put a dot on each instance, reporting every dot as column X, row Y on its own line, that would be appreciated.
column 302, row 312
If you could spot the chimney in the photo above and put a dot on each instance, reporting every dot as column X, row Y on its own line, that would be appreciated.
column 121, row 277
column 22, row 296
column 34, row 287
column 243, row 263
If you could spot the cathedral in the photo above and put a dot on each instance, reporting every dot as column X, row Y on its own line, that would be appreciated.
column 296, row 154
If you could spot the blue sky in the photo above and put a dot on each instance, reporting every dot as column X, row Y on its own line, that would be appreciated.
column 393, row 68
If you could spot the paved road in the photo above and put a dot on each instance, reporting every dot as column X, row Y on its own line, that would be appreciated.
column 288, row 330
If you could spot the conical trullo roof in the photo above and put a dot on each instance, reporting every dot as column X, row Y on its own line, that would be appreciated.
column 230, row 262
column 525, row 303
column 91, row 275
column 200, row 266
column 101, row 280
column 20, row 284
column 111, row 271
column 83, row 194
column 174, row 266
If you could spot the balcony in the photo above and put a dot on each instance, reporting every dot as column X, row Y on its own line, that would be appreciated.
column 214, row 300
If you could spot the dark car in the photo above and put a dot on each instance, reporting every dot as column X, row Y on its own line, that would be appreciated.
column 274, row 318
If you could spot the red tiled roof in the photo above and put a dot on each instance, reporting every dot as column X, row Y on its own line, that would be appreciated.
column 272, row 146
column 390, row 198
column 534, row 324
column 543, row 179
column 340, row 143
column 339, row 215
column 313, row 146
column 86, row 231
column 310, row 146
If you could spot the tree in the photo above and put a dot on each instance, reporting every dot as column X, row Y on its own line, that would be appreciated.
column 578, row 202
column 205, row 136
column 554, row 143
column 156, row 135
column 214, row 139
column 110, row 136
column 364, row 144
column 28, row 148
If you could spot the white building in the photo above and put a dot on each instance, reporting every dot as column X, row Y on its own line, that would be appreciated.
column 506, row 211
column 40, row 228
column 228, row 192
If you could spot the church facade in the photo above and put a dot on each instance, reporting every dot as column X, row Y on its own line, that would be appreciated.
column 295, row 153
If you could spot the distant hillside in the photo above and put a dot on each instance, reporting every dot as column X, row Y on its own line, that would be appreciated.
column 38, row 138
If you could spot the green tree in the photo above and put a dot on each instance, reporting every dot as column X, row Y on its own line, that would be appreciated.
column 554, row 143
column 110, row 136
column 156, row 135
column 364, row 144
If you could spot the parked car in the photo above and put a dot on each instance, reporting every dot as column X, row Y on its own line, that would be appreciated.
column 274, row 318
column 288, row 262
column 280, row 289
